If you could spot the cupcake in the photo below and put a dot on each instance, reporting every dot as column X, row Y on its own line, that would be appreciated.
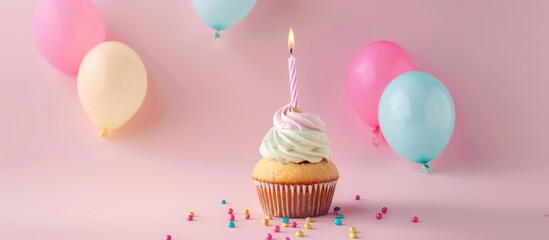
column 296, row 177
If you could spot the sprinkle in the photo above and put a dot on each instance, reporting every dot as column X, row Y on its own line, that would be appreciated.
column 415, row 219
column 223, row 201
column 285, row 225
column 265, row 222
column 352, row 230
column 286, row 238
column 293, row 224
column 230, row 211
column 190, row 214
column 247, row 216
column 340, row 215
column 353, row 235
column 231, row 217
column 336, row 212
column 308, row 226
column 230, row 224
column 276, row 228
column 268, row 236
column 168, row 237
column 384, row 210
column 246, row 211
column 338, row 221
column 308, row 219
column 357, row 197
column 379, row 216
column 285, row 220
column 190, row 217
column 337, row 209
column 268, row 217
column 299, row 233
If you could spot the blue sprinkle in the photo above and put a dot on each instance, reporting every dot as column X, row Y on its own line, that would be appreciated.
column 285, row 220
column 338, row 221
column 223, row 201
column 337, row 209
column 340, row 215
column 230, row 225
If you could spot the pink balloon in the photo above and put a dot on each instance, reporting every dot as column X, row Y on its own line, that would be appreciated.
column 65, row 30
column 370, row 71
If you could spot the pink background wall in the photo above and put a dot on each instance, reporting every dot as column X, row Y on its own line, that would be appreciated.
column 196, row 138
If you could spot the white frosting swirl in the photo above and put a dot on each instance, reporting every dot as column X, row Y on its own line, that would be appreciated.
column 296, row 137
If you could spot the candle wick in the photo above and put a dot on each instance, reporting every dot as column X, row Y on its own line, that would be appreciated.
column 291, row 51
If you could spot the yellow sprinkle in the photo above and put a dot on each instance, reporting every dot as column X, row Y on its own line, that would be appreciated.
column 353, row 235
column 285, row 225
column 265, row 222
column 299, row 234
column 308, row 226
column 190, row 214
column 308, row 219
column 352, row 230
column 268, row 217
column 246, row 211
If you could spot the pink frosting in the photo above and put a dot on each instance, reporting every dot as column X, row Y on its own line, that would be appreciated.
column 285, row 118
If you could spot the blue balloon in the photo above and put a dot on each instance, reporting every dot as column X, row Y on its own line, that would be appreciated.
column 417, row 116
column 222, row 14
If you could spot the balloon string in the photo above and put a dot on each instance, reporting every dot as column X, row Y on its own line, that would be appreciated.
column 217, row 35
column 105, row 133
column 376, row 140
column 425, row 169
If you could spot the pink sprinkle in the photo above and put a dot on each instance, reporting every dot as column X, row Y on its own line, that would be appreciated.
column 168, row 237
column 379, row 216
column 247, row 216
column 336, row 212
column 268, row 236
column 190, row 217
column 276, row 228
column 230, row 211
column 384, row 210
column 415, row 219
column 293, row 224
column 286, row 238
column 231, row 217
column 357, row 197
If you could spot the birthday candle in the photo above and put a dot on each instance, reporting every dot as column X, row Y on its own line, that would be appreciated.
column 291, row 67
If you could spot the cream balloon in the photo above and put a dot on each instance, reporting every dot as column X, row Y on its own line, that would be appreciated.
column 112, row 84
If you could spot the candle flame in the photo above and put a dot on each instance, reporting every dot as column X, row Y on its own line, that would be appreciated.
column 291, row 39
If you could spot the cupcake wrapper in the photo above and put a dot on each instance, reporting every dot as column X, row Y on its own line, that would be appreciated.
column 295, row 200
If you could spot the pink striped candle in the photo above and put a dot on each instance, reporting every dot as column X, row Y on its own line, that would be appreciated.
column 291, row 67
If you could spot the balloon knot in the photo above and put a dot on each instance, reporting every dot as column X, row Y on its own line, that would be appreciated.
column 376, row 131
column 376, row 140
column 425, row 169
column 105, row 133
column 217, row 35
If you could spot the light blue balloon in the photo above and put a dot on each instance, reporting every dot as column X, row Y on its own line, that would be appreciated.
column 222, row 14
column 417, row 116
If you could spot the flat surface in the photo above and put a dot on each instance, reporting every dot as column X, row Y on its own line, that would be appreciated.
column 196, row 138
